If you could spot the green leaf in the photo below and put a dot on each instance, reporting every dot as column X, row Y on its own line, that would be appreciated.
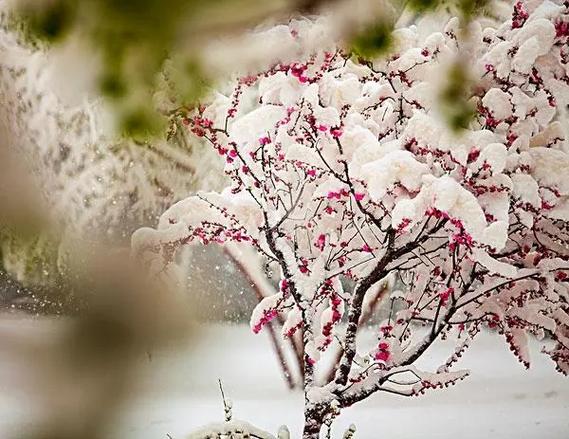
column 375, row 40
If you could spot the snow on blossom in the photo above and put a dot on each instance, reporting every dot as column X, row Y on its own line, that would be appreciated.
column 338, row 92
column 437, row 380
column 548, row 165
column 367, row 148
column 492, row 264
column 395, row 167
column 542, row 29
column 518, row 341
column 424, row 129
column 537, row 105
column 327, row 117
column 405, row 211
column 448, row 196
column 494, row 156
column 553, row 134
column 547, row 9
column 300, row 153
column 526, row 56
column 561, row 210
column 526, row 189
column 531, row 314
column 292, row 323
column 265, row 311
column 279, row 89
column 495, row 235
column 255, row 124
column 497, row 60
column 498, row 102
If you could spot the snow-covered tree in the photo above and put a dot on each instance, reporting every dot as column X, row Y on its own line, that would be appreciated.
column 344, row 175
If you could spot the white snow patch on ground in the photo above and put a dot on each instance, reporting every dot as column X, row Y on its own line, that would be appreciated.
column 179, row 393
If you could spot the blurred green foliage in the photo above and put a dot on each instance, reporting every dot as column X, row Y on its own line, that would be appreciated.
column 52, row 21
column 374, row 41
column 30, row 258
column 472, row 8
column 424, row 5
column 454, row 102
column 133, row 38
column 467, row 9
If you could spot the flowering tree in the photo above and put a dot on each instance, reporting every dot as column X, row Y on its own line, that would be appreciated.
column 343, row 176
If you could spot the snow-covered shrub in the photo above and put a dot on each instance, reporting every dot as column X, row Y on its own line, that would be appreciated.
column 92, row 183
column 344, row 170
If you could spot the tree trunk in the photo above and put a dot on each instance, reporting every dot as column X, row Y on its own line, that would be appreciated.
column 312, row 426
column 313, row 418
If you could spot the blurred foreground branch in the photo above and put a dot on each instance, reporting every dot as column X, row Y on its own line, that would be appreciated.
column 86, row 373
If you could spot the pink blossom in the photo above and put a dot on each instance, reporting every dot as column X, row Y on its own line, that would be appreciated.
column 511, row 138
column 461, row 238
column 561, row 28
column 382, row 356
column 320, row 242
column 336, row 132
column 403, row 224
column 519, row 16
column 444, row 295
column 297, row 70
column 473, row 155
column 268, row 315
column 382, row 353
column 551, row 101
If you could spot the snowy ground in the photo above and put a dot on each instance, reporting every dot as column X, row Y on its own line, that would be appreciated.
column 179, row 392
